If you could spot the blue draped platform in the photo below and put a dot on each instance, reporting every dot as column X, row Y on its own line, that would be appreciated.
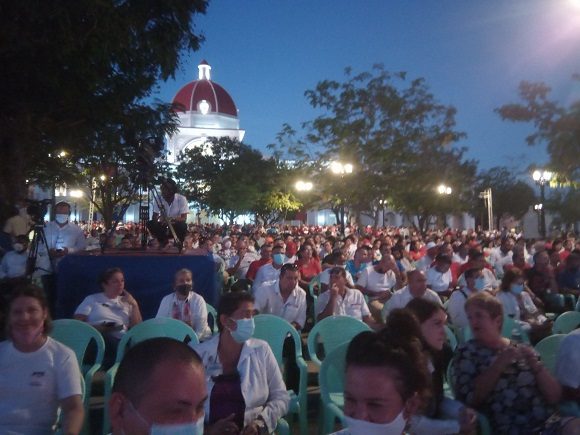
column 147, row 277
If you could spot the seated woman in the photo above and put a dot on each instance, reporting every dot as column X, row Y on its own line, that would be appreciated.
column 442, row 414
column 386, row 379
column 505, row 380
column 246, row 391
column 37, row 374
column 111, row 312
column 308, row 265
column 185, row 305
column 518, row 304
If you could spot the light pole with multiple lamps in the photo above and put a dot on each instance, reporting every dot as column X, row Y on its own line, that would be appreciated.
column 541, row 177
column 444, row 190
column 342, row 169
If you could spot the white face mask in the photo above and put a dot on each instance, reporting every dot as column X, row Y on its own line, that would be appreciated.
column 61, row 218
column 191, row 428
column 363, row 427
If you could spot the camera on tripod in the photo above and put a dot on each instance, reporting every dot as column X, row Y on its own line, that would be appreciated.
column 37, row 210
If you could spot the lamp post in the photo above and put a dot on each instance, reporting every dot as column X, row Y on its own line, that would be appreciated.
column 444, row 190
column 342, row 169
column 76, row 194
column 486, row 195
column 304, row 186
column 541, row 177
column 383, row 204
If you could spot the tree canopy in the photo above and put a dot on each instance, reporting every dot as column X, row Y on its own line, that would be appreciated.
column 76, row 75
column 554, row 125
column 399, row 138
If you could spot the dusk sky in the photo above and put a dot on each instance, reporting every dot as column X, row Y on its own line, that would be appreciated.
column 473, row 55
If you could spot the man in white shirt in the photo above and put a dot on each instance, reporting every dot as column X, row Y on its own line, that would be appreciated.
column 439, row 277
column 176, row 209
column 416, row 288
column 240, row 263
column 377, row 283
column 424, row 262
column 338, row 259
column 502, row 256
column 271, row 271
column 474, row 283
column 283, row 297
column 339, row 300
column 13, row 263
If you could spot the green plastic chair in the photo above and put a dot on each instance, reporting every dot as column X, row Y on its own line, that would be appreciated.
column 548, row 349
column 314, row 282
column 212, row 312
column 451, row 338
column 332, row 332
column 566, row 322
column 275, row 330
column 78, row 336
column 152, row 328
column 331, row 381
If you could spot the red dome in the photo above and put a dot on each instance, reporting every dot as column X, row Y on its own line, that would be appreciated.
column 189, row 97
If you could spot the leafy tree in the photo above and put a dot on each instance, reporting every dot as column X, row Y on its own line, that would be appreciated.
column 511, row 197
column 74, row 71
column 395, row 133
column 555, row 125
column 230, row 178
column 565, row 204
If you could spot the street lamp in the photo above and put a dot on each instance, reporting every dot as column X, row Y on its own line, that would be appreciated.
column 444, row 190
column 383, row 204
column 303, row 186
column 541, row 177
column 76, row 194
column 339, row 168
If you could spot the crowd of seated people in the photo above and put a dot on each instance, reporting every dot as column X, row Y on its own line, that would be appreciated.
column 401, row 283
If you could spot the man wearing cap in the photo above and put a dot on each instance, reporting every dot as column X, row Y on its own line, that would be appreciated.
column 425, row 262
column 176, row 209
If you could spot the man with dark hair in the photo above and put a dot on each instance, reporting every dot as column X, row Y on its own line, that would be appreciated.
column 160, row 383
column 176, row 209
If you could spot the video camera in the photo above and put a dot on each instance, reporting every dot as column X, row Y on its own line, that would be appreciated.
column 37, row 210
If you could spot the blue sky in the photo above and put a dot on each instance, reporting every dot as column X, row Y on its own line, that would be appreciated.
column 472, row 53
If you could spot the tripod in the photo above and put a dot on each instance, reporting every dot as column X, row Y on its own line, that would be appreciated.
column 38, row 238
column 144, row 217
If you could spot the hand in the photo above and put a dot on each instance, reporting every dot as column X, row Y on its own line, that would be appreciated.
column 527, row 353
column 467, row 420
column 128, row 299
column 223, row 426
column 384, row 296
column 334, row 291
column 507, row 357
column 251, row 429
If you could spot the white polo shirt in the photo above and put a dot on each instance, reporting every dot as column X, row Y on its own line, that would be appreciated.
column 177, row 207
column 266, row 273
column 402, row 297
column 438, row 281
column 376, row 282
column 353, row 304
column 268, row 300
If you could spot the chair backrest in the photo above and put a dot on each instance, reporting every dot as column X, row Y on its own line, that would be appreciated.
column 332, row 372
column 275, row 330
column 332, row 332
column 566, row 322
column 548, row 349
column 451, row 338
column 78, row 336
column 153, row 328
column 212, row 318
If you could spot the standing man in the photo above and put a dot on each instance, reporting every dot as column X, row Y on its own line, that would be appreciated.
column 283, row 297
column 62, row 237
column 176, row 208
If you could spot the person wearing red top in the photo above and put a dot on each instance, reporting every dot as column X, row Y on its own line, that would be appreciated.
column 265, row 258
column 308, row 265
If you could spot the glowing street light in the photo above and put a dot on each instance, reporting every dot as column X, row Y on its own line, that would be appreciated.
column 303, row 186
column 444, row 190
column 541, row 177
column 339, row 168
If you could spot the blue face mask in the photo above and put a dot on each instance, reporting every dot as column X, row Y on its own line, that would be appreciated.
column 517, row 289
column 479, row 283
column 278, row 259
column 191, row 428
column 244, row 330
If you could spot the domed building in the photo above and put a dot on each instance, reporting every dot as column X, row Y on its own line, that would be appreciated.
column 205, row 109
